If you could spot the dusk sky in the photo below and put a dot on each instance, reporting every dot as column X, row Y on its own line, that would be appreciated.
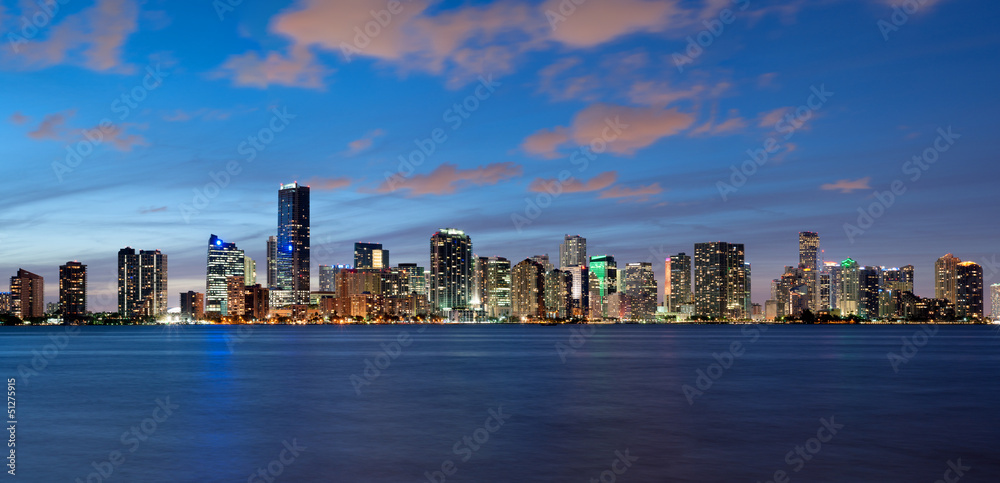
column 179, row 87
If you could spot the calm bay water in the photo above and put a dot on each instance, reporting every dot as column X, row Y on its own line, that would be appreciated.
column 608, row 402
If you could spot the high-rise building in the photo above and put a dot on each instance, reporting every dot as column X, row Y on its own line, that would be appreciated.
column 849, row 294
column 327, row 278
column 677, row 281
column 142, row 283
column 272, row 262
column 906, row 279
column 869, row 285
column 73, row 291
column 6, row 306
column 558, row 294
column 721, row 281
column 479, row 295
column 369, row 256
column 543, row 260
column 497, row 287
column 193, row 304
column 995, row 301
column 581, row 289
column 603, row 272
column 640, row 286
column 235, row 305
column 224, row 260
column 249, row 270
column 969, row 290
column 573, row 251
column 418, row 280
column 256, row 302
column 293, row 245
column 833, row 270
column 527, row 289
column 809, row 250
column 451, row 270
column 945, row 278
column 27, row 294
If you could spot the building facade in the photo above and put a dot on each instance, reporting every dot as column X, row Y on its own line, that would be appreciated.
column 450, row 270
column 721, row 280
column 27, row 295
column 73, row 291
column 292, row 284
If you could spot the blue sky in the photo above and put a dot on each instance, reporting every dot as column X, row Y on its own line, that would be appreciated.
column 200, row 80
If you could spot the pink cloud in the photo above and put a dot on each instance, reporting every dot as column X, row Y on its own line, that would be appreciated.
column 638, row 194
column 546, row 142
column 596, row 22
column 328, row 184
column 298, row 69
column 848, row 186
column 364, row 142
column 573, row 185
column 51, row 127
column 18, row 118
column 448, row 178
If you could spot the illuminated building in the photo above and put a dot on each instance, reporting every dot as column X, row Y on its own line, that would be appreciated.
column 249, row 270
column 573, row 251
column 969, row 290
column 527, row 289
column 559, row 294
column 368, row 256
column 256, row 302
column 292, row 284
column 224, row 260
column 603, row 282
column 418, row 280
column 995, row 301
column 27, row 295
column 497, row 287
column 235, row 304
column 809, row 250
column 640, row 286
column 142, row 283
column 869, row 285
column 677, row 282
column 450, row 270
column 272, row 262
column 849, row 293
column 73, row 291
column 945, row 278
column 193, row 304
column 721, row 281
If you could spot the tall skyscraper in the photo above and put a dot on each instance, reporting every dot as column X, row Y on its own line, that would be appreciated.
column 272, row 262
column 527, row 289
column 677, row 281
column 995, row 301
column 640, row 286
column 945, row 278
column 451, row 269
column 327, row 278
column 849, row 294
column 224, row 260
column 249, row 270
column 235, row 305
column 559, row 294
column 543, row 260
column 809, row 250
column 368, row 256
column 418, row 279
column 573, row 251
column 969, row 290
column 479, row 296
column 869, row 285
column 293, row 245
column 906, row 279
column 497, row 287
column 27, row 294
column 73, row 291
column 142, row 283
column 581, row 289
column 603, row 282
column 721, row 281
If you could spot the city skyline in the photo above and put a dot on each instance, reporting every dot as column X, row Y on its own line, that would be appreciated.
column 401, row 139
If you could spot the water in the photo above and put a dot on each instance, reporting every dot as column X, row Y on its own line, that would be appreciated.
column 241, row 396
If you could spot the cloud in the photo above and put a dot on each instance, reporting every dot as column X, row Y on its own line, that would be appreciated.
column 93, row 38
column 18, row 118
column 622, row 129
column 573, row 185
column 735, row 123
column 205, row 114
column 328, row 184
column 848, row 186
column 364, row 142
column 51, row 127
column 770, row 118
column 121, row 140
column 298, row 69
column 639, row 194
column 447, row 178
column 596, row 22
column 152, row 210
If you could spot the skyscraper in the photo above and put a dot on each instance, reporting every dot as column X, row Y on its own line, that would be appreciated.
column 573, row 251
column 640, row 286
column 603, row 282
column 418, row 279
column 527, row 289
column 272, row 262
column 809, row 250
column 193, row 304
column 995, row 301
column 235, row 305
column 558, row 294
column 27, row 294
column 368, row 256
column 676, row 281
column 969, row 290
column 451, row 269
column 869, row 284
column 327, row 278
column 543, row 260
column 478, row 298
column 945, row 278
column 293, row 245
column 142, row 283
column 581, row 289
column 721, row 280
column 849, row 293
column 73, row 291
column 497, row 287
column 224, row 260
column 249, row 270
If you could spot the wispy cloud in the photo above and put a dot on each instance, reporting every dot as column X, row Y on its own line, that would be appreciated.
column 637, row 194
column 574, row 185
column 363, row 142
column 152, row 210
column 18, row 118
column 328, row 184
column 848, row 185
column 448, row 178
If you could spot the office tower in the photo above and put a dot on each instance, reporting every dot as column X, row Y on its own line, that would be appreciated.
column 945, row 278
column 27, row 294
column 969, row 290
column 224, row 260
column 272, row 262
column 193, row 304
column 543, row 260
column 747, row 303
column 293, row 245
column 868, row 291
column 479, row 295
column 581, row 289
column 677, row 281
column 235, row 303
column 418, row 280
column 559, row 294
column 256, row 302
column 527, row 289
column 249, row 270
column 451, row 269
column 73, row 291
column 640, row 286
column 142, row 283
column 721, row 280
column 603, row 282
column 822, row 302
column 995, row 301
column 809, row 250
column 906, row 279
column 327, row 278
column 369, row 256
column 573, row 251
column 849, row 294
column 833, row 269
column 497, row 287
